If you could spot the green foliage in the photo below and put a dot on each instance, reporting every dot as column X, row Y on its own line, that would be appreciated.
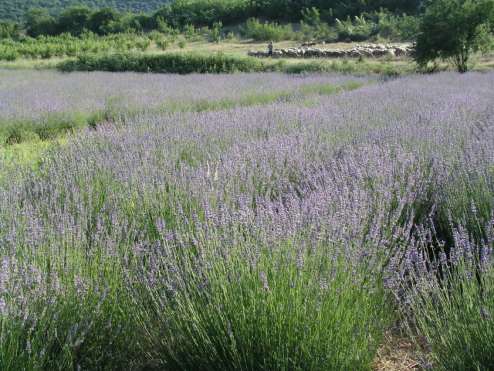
column 164, row 63
column 74, row 20
column 9, row 30
column 39, row 22
column 316, row 21
column 76, row 331
column 79, row 19
column 203, row 12
column 206, row 12
column 46, row 128
column 348, row 67
column 286, row 10
column 453, row 29
column 357, row 29
column 258, row 31
column 67, row 45
column 219, row 63
column 311, row 16
column 181, row 43
column 104, row 21
column 267, row 318
column 216, row 31
column 394, row 27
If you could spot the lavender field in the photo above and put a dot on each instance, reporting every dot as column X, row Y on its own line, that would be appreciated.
column 201, row 228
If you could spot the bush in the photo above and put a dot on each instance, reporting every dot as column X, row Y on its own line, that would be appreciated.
column 163, row 43
column 68, row 45
column 453, row 30
column 61, row 325
column 45, row 128
column 258, row 31
column 182, row 43
column 181, row 63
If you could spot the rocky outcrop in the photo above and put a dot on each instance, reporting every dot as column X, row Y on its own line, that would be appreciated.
column 359, row 51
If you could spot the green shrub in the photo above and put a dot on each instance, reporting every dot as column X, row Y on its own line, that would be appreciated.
column 258, row 31
column 455, row 315
column 163, row 43
column 181, row 63
column 358, row 29
column 9, row 30
column 8, row 54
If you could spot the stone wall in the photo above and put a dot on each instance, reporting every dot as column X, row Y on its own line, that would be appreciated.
column 368, row 50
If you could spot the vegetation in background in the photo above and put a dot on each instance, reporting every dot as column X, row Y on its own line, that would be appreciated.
column 456, row 318
column 16, row 9
column 187, row 62
column 265, row 31
column 206, row 12
column 180, row 14
column 453, row 30
column 108, row 36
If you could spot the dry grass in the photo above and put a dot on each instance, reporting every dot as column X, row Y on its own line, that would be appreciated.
column 399, row 353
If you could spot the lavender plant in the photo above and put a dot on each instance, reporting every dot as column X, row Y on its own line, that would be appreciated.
column 58, row 103
column 280, row 235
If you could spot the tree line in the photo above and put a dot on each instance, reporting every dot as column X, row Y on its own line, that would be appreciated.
column 446, row 29
column 180, row 13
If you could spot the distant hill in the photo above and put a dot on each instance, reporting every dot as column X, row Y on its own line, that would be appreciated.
column 15, row 9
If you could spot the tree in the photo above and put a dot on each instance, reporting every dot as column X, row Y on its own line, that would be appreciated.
column 74, row 20
column 39, row 22
column 452, row 30
column 103, row 20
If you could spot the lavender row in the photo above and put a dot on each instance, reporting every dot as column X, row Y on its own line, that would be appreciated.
column 36, row 94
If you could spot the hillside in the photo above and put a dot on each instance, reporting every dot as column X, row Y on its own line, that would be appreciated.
column 15, row 9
